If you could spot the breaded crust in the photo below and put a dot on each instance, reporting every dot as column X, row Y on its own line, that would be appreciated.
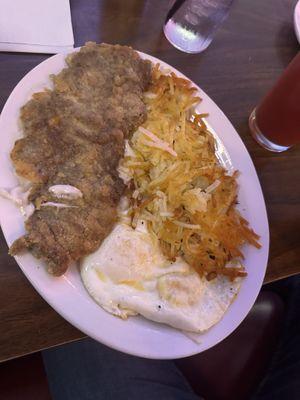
column 74, row 134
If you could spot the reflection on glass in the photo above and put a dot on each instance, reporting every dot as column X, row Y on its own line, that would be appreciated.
column 191, row 24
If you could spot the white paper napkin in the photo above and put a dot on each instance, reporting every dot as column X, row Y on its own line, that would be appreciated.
column 36, row 26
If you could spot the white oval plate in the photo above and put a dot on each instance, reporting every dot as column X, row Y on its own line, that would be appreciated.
column 67, row 294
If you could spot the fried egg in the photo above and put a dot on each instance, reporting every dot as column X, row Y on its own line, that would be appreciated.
column 128, row 275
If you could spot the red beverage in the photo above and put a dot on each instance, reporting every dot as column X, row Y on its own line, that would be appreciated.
column 275, row 123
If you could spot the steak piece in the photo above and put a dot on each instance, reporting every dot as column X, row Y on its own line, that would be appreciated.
column 74, row 135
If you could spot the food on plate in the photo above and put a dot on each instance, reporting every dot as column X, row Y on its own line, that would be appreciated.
column 179, row 187
column 175, row 254
column 73, row 139
column 129, row 275
column 122, row 173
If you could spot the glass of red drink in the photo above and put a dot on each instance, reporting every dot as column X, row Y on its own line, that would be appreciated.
column 275, row 122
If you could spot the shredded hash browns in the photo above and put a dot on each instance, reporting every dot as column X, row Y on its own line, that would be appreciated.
column 177, row 185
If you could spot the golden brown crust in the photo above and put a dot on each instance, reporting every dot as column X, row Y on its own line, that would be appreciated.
column 74, row 134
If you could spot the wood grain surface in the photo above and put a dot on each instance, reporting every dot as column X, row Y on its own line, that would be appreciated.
column 248, row 53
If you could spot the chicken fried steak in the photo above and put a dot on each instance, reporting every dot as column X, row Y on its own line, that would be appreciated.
column 74, row 135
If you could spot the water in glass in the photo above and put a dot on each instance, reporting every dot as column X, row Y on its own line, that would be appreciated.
column 190, row 24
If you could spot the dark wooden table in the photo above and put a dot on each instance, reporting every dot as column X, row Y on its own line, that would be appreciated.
column 247, row 55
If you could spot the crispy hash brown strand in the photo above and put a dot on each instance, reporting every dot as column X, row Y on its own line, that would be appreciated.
column 74, row 134
column 178, row 185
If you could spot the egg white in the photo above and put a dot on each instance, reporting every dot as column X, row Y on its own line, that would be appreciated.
column 128, row 275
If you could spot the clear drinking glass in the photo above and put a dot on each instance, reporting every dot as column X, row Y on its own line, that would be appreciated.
column 275, row 122
column 191, row 24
